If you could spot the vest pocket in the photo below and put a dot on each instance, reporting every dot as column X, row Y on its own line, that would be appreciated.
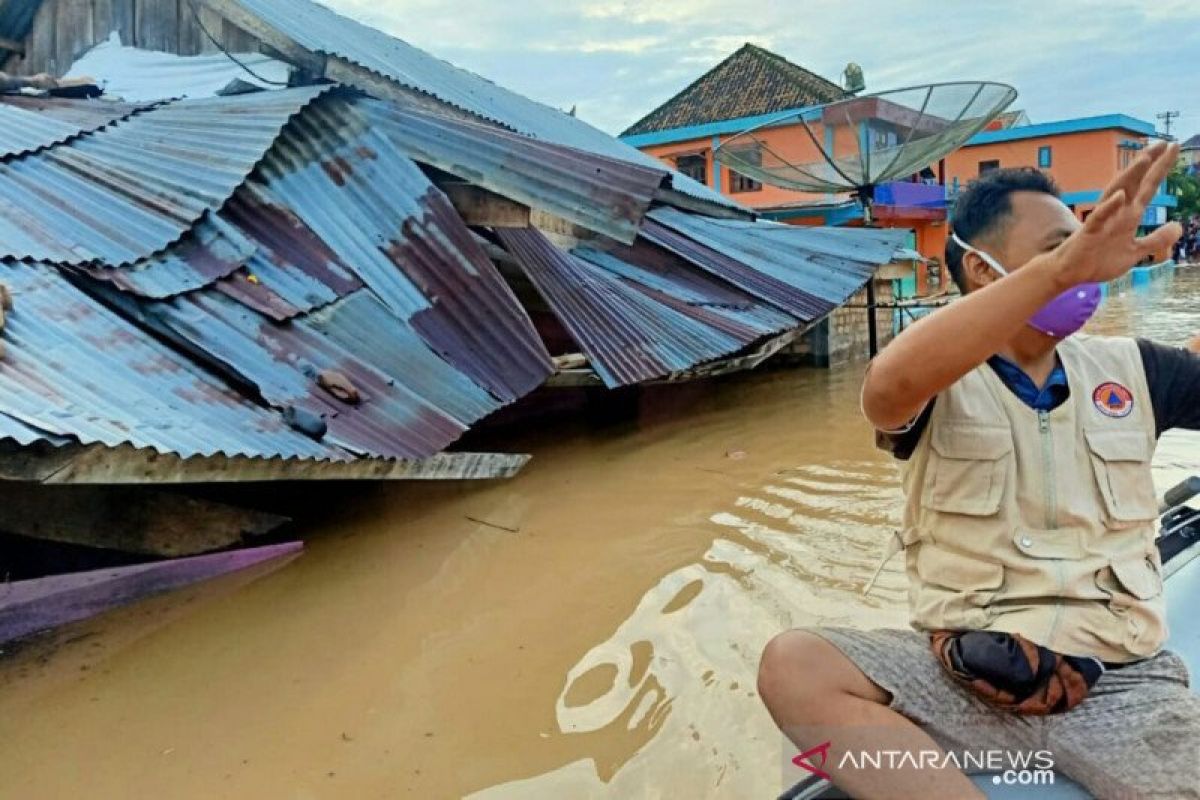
column 954, row 589
column 970, row 466
column 1121, row 462
column 1131, row 585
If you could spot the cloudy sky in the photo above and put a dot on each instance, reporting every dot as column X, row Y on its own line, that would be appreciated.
column 618, row 59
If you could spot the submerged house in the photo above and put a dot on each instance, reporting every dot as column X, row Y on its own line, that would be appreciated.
column 284, row 245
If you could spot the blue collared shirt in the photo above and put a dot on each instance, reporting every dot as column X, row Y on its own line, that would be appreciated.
column 1046, row 398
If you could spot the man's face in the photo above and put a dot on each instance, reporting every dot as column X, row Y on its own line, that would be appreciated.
column 1037, row 224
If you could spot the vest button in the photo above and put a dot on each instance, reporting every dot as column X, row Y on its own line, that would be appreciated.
column 1026, row 541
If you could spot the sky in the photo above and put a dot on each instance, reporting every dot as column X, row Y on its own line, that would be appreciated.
column 616, row 60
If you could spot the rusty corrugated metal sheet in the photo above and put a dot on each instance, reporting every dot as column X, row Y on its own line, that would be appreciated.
column 29, row 124
column 600, row 193
column 75, row 369
column 283, row 362
column 212, row 250
column 630, row 330
column 130, row 190
column 323, row 31
column 672, row 281
column 375, row 209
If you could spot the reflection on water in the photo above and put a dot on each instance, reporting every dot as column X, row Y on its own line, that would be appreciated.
column 607, row 648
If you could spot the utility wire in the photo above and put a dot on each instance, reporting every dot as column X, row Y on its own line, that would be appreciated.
column 229, row 55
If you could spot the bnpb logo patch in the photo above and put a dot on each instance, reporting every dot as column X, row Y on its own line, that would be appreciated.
column 1113, row 399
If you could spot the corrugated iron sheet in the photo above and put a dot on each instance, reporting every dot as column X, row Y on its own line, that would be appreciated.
column 320, row 30
column 603, row 194
column 284, row 362
column 130, row 190
column 75, row 368
column 140, row 75
column 804, row 271
column 628, row 334
column 380, row 215
column 29, row 124
column 212, row 250
column 677, row 284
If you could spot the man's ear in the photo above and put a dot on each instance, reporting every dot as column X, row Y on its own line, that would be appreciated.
column 977, row 271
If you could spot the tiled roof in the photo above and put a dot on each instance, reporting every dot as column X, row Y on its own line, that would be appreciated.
column 752, row 81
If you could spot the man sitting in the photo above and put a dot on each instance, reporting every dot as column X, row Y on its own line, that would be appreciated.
column 1035, row 586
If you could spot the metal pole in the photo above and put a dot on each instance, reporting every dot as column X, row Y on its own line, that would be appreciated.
column 872, row 333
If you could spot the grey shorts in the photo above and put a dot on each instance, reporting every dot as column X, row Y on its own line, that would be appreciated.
column 1136, row 735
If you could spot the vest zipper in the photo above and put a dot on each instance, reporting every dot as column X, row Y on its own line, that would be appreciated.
column 1051, row 499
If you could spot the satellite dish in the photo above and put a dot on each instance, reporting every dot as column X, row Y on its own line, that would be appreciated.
column 853, row 145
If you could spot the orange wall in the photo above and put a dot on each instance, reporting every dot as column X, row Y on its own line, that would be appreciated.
column 1080, row 162
column 788, row 142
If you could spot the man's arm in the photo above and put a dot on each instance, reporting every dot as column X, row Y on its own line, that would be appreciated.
column 934, row 353
column 1173, row 375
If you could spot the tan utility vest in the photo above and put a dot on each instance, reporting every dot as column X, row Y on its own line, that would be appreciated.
column 1041, row 523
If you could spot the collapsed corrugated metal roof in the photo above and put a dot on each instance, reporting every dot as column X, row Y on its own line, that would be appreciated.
column 806, row 272
column 29, row 124
column 638, row 322
column 128, row 191
column 603, row 194
column 74, row 368
column 322, row 31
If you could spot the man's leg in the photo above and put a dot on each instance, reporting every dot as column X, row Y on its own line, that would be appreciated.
column 1137, row 735
column 817, row 694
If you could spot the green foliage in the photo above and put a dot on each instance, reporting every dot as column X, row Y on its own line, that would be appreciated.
column 1186, row 188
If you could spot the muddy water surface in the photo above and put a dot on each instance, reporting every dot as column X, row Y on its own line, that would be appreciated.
column 589, row 629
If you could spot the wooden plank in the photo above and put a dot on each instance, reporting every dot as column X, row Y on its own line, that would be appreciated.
column 190, row 37
column 73, row 34
column 339, row 70
column 482, row 208
column 156, row 25
column 234, row 13
column 39, row 45
column 32, row 606
column 127, row 519
column 109, row 16
column 126, row 465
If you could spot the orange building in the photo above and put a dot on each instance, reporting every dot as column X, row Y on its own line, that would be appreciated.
column 1083, row 155
column 754, row 87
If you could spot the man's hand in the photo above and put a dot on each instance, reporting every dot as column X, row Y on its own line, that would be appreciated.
column 1107, row 246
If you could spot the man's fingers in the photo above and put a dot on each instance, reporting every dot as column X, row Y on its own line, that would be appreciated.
column 1160, row 242
column 1108, row 208
column 1163, row 162
column 1130, row 178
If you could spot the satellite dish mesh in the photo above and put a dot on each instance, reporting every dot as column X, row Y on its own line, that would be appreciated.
column 854, row 144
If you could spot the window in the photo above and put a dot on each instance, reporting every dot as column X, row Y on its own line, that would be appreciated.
column 988, row 166
column 739, row 183
column 695, row 166
column 1044, row 157
column 1126, row 157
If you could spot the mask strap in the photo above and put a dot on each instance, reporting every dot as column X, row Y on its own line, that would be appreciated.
column 991, row 262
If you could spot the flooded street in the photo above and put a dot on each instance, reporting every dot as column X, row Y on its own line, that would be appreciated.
column 588, row 629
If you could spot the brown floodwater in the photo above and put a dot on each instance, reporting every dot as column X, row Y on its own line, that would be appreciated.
column 588, row 629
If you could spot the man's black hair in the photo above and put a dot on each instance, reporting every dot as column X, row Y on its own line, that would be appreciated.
column 985, row 206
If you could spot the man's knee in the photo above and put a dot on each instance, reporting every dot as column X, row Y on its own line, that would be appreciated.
column 798, row 667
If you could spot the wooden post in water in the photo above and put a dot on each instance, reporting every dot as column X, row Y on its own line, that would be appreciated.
column 872, row 332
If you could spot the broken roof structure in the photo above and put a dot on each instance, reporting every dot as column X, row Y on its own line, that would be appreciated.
column 317, row 280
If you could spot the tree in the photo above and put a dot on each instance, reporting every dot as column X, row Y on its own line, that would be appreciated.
column 1186, row 188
